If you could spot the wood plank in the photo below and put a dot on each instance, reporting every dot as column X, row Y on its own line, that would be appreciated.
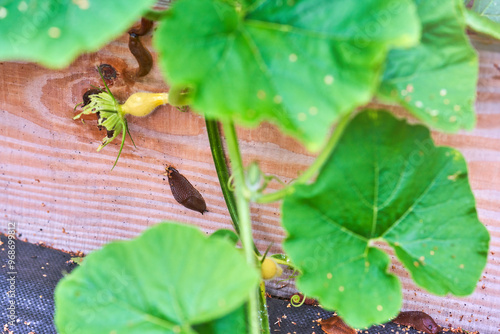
column 60, row 191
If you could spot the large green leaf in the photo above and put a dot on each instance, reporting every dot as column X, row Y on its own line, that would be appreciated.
column 167, row 280
column 437, row 79
column 54, row 32
column 298, row 63
column 484, row 17
column 385, row 182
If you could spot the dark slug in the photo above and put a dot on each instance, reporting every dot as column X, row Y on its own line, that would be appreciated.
column 421, row 321
column 141, row 54
column 184, row 192
column 335, row 325
column 143, row 29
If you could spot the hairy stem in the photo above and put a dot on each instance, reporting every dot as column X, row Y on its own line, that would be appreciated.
column 263, row 315
column 245, row 224
column 223, row 173
column 313, row 169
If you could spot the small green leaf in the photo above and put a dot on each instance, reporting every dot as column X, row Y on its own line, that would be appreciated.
column 281, row 257
column 167, row 280
column 54, row 33
column 385, row 182
column 437, row 79
column 228, row 235
column 298, row 63
column 484, row 17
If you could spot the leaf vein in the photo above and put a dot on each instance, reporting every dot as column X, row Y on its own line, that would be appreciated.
column 396, row 188
column 280, row 27
column 326, row 218
column 418, row 200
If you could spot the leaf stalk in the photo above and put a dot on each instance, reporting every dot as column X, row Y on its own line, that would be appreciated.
column 245, row 224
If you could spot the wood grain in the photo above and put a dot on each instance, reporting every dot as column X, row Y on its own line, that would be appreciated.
column 60, row 191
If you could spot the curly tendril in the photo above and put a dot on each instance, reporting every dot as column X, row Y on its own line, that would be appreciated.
column 297, row 300
column 230, row 183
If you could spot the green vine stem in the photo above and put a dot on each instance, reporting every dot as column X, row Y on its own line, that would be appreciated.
column 314, row 168
column 263, row 315
column 223, row 174
column 245, row 224
column 222, row 170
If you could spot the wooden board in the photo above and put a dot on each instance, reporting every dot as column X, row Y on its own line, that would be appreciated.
column 60, row 191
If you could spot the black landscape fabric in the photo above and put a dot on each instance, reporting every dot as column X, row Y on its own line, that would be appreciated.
column 30, row 284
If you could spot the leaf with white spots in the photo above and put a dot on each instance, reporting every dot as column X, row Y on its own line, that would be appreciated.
column 53, row 33
column 436, row 80
column 298, row 63
column 385, row 182
column 168, row 280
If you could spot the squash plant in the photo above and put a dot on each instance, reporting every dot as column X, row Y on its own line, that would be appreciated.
column 306, row 66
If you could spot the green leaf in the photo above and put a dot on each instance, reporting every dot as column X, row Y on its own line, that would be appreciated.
column 281, row 257
column 298, row 63
column 167, row 280
column 54, row 32
column 436, row 80
column 228, row 235
column 484, row 17
column 234, row 323
column 487, row 8
column 385, row 182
